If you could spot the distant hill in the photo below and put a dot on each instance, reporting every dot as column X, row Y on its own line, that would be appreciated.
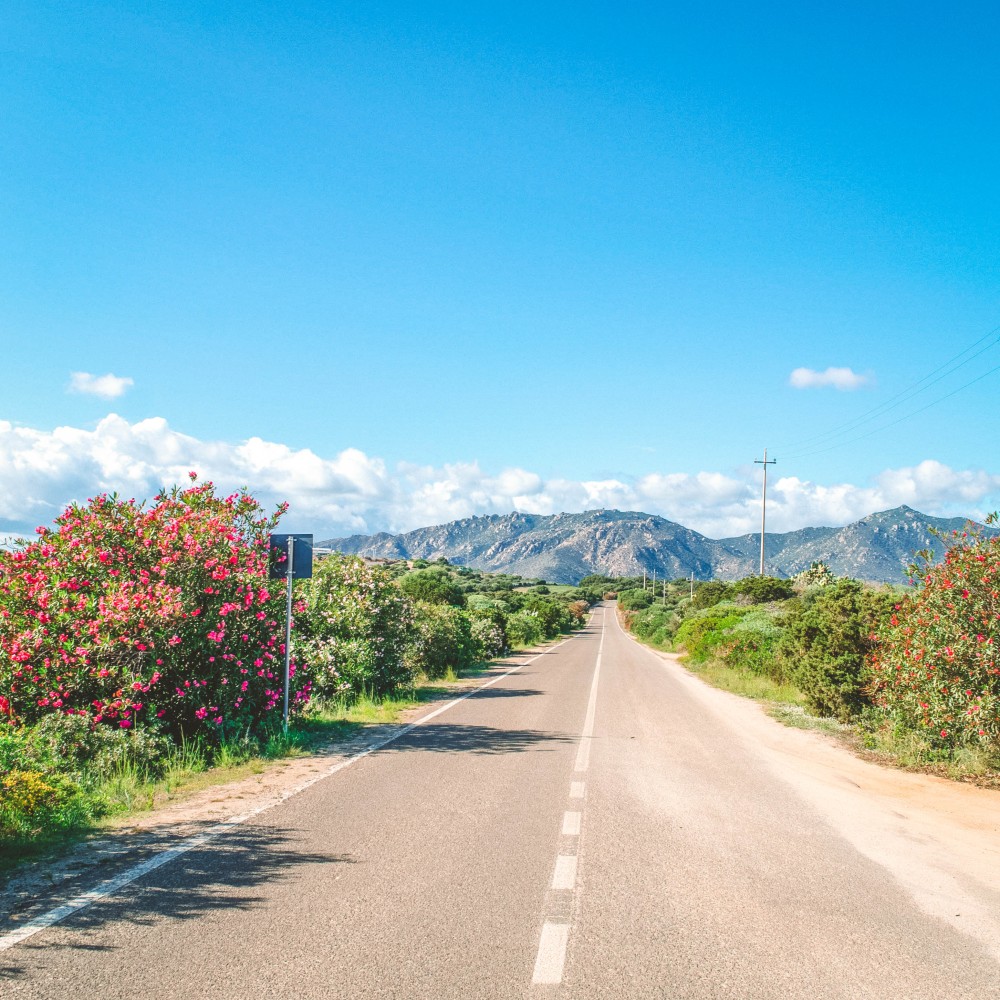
column 562, row 548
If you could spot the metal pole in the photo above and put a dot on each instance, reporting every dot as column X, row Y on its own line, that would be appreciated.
column 288, row 625
column 692, row 585
column 763, row 505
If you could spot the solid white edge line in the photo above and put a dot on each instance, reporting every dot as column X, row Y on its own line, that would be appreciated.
column 112, row 885
column 551, row 954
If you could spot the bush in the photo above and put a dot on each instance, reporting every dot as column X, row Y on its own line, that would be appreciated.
column 750, row 644
column 934, row 667
column 634, row 600
column 442, row 640
column 825, row 645
column 156, row 617
column 434, row 586
column 525, row 629
column 357, row 628
column 710, row 593
column 763, row 589
column 703, row 632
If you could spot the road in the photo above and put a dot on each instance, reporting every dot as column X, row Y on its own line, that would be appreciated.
column 595, row 824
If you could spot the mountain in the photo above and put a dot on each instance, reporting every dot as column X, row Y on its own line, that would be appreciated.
column 562, row 548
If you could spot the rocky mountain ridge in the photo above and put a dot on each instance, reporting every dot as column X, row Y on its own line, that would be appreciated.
column 562, row 548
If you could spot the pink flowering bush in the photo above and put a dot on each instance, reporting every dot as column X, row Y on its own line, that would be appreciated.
column 935, row 666
column 156, row 616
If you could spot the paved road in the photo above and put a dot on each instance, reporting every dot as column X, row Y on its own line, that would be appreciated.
column 589, row 826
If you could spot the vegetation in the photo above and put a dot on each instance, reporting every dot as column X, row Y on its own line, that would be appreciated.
column 142, row 644
column 913, row 674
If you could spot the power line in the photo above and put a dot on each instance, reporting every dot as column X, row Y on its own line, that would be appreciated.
column 922, row 385
column 907, row 416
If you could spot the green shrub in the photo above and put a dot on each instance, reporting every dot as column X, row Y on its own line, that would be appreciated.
column 435, row 586
column 825, row 645
column 634, row 600
column 703, row 632
column 762, row 589
column 710, row 593
column 442, row 640
column 525, row 629
column 356, row 629
column 750, row 644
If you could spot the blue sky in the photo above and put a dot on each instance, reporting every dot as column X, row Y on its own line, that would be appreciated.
column 401, row 265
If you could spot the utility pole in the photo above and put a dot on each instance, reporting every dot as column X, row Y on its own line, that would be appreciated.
column 763, row 504
column 692, row 585
column 644, row 580
column 654, row 584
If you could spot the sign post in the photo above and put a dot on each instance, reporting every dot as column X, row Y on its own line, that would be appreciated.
column 283, row 551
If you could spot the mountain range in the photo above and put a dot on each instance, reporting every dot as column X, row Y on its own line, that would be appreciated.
column 562, row 548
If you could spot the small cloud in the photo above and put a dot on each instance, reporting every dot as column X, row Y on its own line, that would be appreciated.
column 843, row 379
column 106, row 386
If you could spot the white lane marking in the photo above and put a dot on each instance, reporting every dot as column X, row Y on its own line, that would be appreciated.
column 564, row 876
column 551, row 954
column 554, row 941
column 110, row 886
column 583, row 752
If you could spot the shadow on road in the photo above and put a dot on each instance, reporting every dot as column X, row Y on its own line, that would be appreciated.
column 495, row 692
column 446, row 738
column 223, row 875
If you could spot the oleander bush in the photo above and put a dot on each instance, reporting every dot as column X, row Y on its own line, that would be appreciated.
column 156, row 616
column 934, row 668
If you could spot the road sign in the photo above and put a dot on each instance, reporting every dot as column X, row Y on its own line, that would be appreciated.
column 302, row 562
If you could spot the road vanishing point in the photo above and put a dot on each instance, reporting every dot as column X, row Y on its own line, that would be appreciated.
column 590, row 822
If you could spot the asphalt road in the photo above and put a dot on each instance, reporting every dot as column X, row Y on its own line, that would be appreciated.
column 590, row 826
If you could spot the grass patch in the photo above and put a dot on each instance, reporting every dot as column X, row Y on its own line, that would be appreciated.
column 798, row 718
column 746, row 684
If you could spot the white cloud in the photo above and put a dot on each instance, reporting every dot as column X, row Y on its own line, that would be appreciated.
column 843, row 379
column 41, row 471
column 106, row 386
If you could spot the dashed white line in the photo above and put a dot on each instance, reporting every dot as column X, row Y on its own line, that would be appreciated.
column 554, row 940
column 551, row 954
column 571, row 824
column 564, row 876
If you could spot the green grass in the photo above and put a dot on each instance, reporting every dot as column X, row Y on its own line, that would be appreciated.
column 746, row 684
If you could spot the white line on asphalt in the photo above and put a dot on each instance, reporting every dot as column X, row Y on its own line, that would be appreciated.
column 583, row 753
column 564, row 876
column 571, row 824
column 129, row 876
column 554, row 940
column 551, row 954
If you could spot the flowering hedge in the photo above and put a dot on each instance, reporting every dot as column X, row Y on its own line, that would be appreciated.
column 156, row 616
column 935, row 664
column 356, row 629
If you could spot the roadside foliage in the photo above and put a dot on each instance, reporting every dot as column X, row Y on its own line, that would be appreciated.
column 935, row 665
column 141, row 641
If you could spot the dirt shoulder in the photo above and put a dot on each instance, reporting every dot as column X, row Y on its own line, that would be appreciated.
column 939, row 838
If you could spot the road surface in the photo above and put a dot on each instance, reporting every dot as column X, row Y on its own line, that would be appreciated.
column 595, row 824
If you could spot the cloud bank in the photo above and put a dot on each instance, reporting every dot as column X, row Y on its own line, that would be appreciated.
column 106, row 386
column 41, row 471
column 843, row 379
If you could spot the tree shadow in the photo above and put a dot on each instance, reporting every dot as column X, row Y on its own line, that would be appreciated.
column 498, row 692
column 445, row 738
column 222, row 874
